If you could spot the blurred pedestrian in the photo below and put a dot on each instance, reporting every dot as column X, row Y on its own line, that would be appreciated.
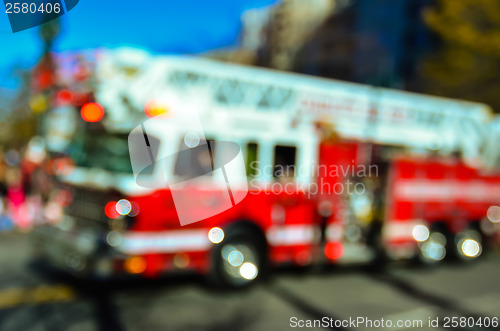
column 16, row 198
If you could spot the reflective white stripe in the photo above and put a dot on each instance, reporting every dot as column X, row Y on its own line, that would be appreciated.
column 402, row 229
column 165, row 242
column 288, row 235
column 446, row 190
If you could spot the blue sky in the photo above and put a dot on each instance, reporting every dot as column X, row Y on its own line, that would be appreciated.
column 159, row 26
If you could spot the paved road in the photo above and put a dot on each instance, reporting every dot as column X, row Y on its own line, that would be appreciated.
column 31, row 300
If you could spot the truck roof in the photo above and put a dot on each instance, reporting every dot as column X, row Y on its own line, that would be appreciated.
column 356, row 111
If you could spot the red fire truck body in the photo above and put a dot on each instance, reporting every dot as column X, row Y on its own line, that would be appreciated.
column 353, row 186
column 440, row 191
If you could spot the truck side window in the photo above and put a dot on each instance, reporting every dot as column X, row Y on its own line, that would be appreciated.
column 284, row 162
column 252, row 165
column 109, row 152
column 196, row 161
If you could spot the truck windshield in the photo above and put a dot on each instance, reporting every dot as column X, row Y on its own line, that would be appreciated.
column 102, row 150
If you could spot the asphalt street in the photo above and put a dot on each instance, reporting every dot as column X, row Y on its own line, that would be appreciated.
column 32, row 298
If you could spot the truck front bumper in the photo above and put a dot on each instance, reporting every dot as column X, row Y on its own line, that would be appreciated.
column 82, row 254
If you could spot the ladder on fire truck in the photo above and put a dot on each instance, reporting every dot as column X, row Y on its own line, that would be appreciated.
column 361, row 112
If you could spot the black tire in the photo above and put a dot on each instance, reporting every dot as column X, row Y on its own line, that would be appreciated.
column 238, row 261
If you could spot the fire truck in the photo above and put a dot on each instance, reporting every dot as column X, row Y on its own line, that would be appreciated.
column 323, row 172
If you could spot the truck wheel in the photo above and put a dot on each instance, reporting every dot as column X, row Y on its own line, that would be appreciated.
column 237, row 261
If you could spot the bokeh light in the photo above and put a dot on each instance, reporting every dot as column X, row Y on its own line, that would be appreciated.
column 216, row 235
column 192, row 140
column 92, row 112
column 123, row 207
column 420, row 233
column 249, row 271
column 154, row 108
column 493, row 214
column 471, row 248
column 334, row 250
column 135, row 265
column 110, row 210
column 235, row 258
